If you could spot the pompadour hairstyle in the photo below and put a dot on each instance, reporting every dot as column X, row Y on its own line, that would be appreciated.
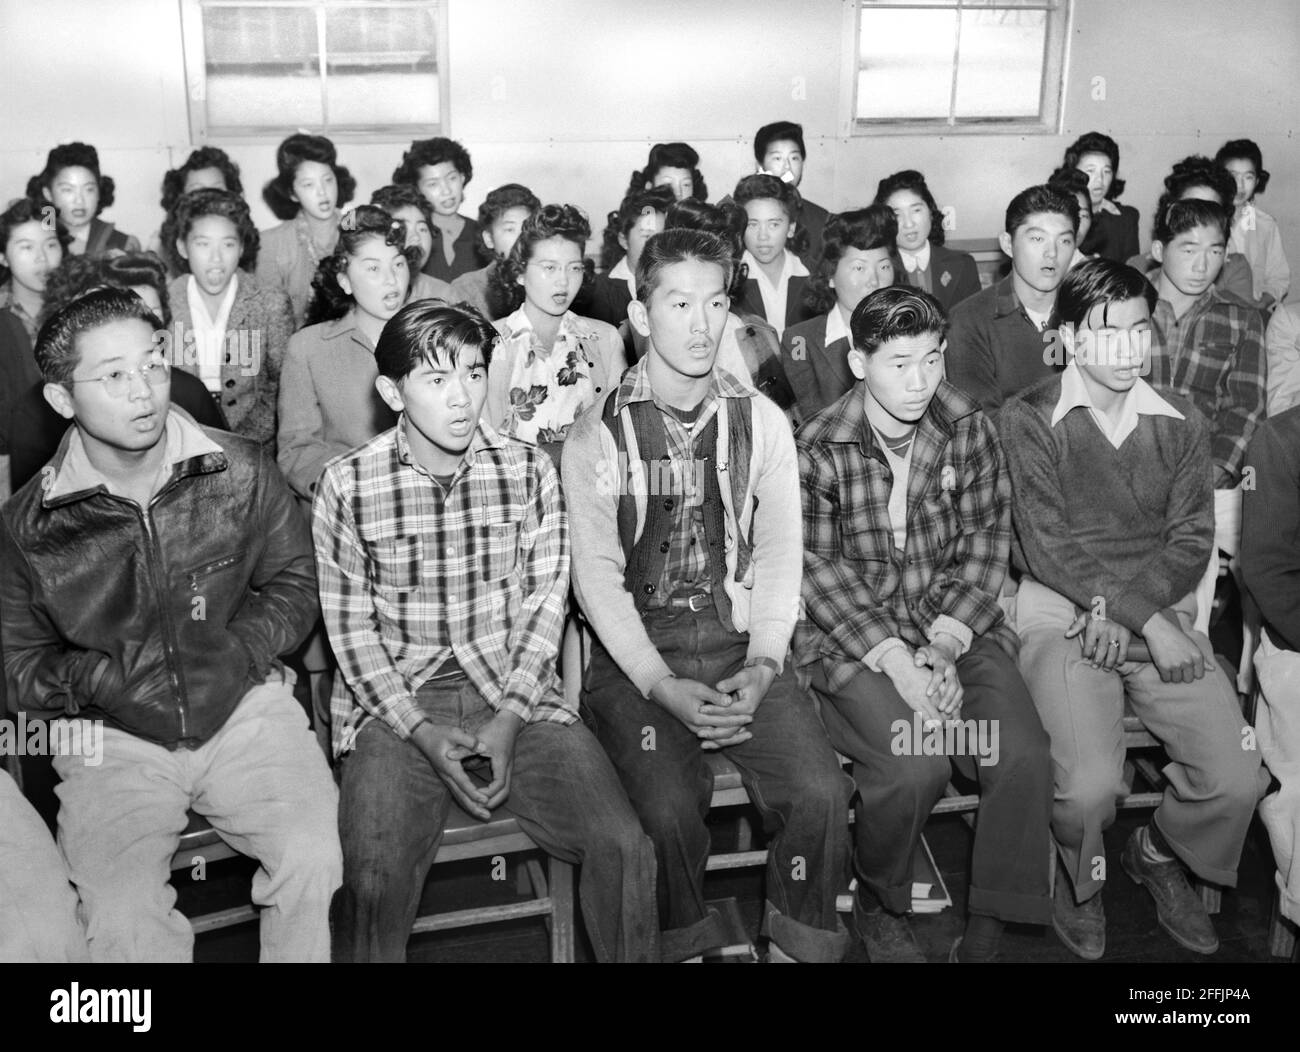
column 431, row 332
column 894, row 312
column 56, row 344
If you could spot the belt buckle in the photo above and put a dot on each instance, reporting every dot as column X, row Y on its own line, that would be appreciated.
column 703, row 598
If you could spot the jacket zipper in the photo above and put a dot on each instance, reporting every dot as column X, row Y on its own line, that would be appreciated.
column 170, row 647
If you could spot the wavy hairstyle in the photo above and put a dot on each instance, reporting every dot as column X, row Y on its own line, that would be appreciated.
column 173, row 184
column 725, row 221
column 670, row 155
column 566, row 221
column 72, row 155
column 77, row 275
column 209, row 202
column 30, row 210
column 1096, row 142
column 768, row 187
column 428, row 152
column 328, row 300
column 1244, row 150
column 620, row 222
column 864, row 229
column 911, row 179
column 894, row 312
column 294, row 151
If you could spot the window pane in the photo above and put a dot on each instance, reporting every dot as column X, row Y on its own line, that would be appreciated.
column 262, row 66
column 905, row 63
column 1000, row 68
column 383, row 66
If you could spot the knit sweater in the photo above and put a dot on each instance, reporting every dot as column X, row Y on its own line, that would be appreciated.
column 764, row 604
column 1133, row 526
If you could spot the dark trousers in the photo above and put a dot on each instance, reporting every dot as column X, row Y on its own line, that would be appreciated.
column 563, row 791
column 898, row 784
column 789, row 771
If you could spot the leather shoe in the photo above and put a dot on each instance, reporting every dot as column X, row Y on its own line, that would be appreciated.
column 887, row 936
column 1178, row 908
column 1081, row 926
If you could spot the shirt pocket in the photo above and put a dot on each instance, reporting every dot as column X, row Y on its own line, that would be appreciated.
column 500, row 549
column 398, row 564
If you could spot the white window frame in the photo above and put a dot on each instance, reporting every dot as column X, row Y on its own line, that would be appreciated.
column 1051, row 93
column 196, row 78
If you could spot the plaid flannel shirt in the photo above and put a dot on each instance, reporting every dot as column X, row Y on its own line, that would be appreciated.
column 410, row 575
column 862, row 596
column 1214, row 355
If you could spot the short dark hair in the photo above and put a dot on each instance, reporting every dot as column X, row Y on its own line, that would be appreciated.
column 431, row 332
column 1099, row 282
column 328, row 300
column 725, row 221
column 77, row 275
column 894, row 312
column 768, row 187
column 72, row 155
column 56, row 344
column 1244, row 150
column 620, row 222
column 777, row 131
column 429, row 152
column 863, row 229
column 209, row 202
column 29, row 210
column 911, row 179
column 566, row 221
column 677, row 246
column 294, row 151
column 173, row 184
column 1096, row 142
column 1040, row 199
column 671, row 155
column 1178, row 217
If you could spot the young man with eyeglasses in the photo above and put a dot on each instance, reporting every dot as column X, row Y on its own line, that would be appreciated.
column 151, row 575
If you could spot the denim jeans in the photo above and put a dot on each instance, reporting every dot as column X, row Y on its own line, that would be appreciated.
column 789, row 771
column 563, row 791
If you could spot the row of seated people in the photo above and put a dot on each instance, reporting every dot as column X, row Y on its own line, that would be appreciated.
column 722, row 616
column 227, row 278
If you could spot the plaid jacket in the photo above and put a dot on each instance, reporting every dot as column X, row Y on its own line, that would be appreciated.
column 410, row 575
column 858, row 594
column 1214, row 355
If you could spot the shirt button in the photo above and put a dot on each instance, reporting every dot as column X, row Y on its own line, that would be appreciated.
column 451, row 599
column 665, row 546
column 230, row 383
column 450, row 551
column 668, row 505
column 230, row 402
column 227, row 359
column 649, row 589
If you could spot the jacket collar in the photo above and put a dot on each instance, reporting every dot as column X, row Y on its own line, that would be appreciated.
column 70, row 477
column 636, row 386
column 848, row 418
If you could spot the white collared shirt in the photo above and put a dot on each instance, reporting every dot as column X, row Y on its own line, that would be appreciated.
column 913, row 262
column 1140, row 400
column 836, row 328
column 621, row 271
column 209, row 332
column 775, row 296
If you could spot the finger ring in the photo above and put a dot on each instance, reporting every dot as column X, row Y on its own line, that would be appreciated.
column 1114, row 642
